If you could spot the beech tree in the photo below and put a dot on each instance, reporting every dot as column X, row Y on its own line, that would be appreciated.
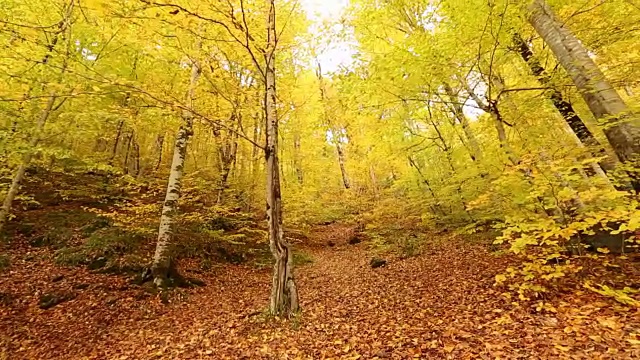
column 163, row 266
column 622, row 126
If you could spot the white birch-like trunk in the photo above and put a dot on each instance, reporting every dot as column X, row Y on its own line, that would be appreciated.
column 622, row 128
column 163, row 266
column 341, row 162
column 284, row 295
column 474, row 148
column 26, row 160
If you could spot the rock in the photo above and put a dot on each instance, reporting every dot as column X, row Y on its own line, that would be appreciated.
column 57, row 278
column 97, row 263
column 50, row 300
column 80, row 286
column 196, row 282
column 377, row 262
column 602, row 239
column 111, row 300
column 331, row 243
column 355, row 239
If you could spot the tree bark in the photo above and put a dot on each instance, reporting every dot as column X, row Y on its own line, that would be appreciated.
column 341, row 162
column 476, row 153
column 26, row 160
column 492, row 108
column 159, row 149
column 622, row 128
column 284, row 295
column 163, row 266
column 334, row 132
column 125, row 166
column 116, row 142
column 296, row 158
column 575, row 123
column 63, row 25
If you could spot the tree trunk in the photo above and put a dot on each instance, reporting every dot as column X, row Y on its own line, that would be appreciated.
column 159, row 149
column 334, row 132
column 114, row 151
column 35, row 138
column 476, row 153
column 492, row 109
column 284, row 295
column 575, row 123
column 125, row 166
column 136, row 162
column 374, row 180
column 163, row 267
column 296, row 158
column 341, row 162
column 26, row 160
column 622, row 128
column 436, row 208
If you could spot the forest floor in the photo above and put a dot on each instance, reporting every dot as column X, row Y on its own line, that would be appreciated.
column 440, row 304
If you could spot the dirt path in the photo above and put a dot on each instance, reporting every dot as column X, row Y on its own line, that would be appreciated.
column 441, row 304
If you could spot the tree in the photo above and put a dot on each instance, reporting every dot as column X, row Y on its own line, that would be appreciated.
column 163, row 267
column 622, row 127
column 61, row 28
column 284, row 294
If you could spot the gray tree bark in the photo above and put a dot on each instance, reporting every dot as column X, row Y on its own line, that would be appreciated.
column 621, row 127
column 574, row 122
column 284, row 294
column 26, row 160
column 476, row 152
column 163, row 266
column 62, row 26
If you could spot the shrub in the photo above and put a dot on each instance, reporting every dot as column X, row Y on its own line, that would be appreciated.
column 71, row 257
column 302, row 258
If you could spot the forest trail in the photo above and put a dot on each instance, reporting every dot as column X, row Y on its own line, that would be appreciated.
column 441, row 304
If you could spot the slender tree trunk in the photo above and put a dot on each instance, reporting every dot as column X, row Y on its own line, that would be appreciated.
column 163, row 266
column 227, row 152
column 575, row 123
column 436, row 208
column 296, row 158
column 35, row 138
column 284, row 295
column 159, row 149
column 622, row 127
column 114, row 150
column 374, row 180
column 341, row 162
column 334, row 132
column 492, row 109
column 476, row 153
column 126, row 154
column 447, row 151
column 136, row 163
column 26, row 160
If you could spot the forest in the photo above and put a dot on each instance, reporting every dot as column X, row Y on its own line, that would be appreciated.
column 310, row 179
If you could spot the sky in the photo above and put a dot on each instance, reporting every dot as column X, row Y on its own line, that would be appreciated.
column 338, row 53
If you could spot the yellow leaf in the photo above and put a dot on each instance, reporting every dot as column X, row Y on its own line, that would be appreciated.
column 603, row 250
column 562, row 348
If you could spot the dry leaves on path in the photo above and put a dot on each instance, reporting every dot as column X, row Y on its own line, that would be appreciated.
column 441, row 304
